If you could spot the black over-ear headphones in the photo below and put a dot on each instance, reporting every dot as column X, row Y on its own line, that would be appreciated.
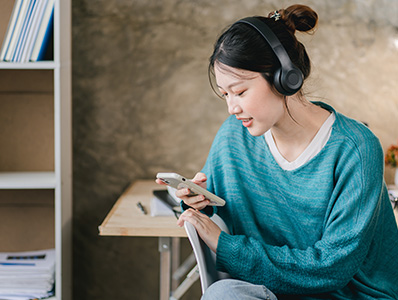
column 288, row 79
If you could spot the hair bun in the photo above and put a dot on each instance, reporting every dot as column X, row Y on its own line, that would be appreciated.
column 299, row 17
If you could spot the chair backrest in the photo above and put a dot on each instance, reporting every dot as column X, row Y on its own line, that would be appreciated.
column 205, row 258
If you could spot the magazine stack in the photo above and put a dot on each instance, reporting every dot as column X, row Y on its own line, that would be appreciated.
column 27, row 275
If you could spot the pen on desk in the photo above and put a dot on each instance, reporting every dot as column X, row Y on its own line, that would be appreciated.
column 139, row 205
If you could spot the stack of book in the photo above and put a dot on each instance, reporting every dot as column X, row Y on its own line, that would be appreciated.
column 29, row 32
column 27, row 275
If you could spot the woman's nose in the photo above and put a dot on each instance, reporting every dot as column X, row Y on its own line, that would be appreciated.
column 233, row 108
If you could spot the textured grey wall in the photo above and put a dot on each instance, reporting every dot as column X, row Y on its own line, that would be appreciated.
column 142, row 103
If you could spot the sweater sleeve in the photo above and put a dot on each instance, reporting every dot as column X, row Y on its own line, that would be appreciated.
column 333, row 260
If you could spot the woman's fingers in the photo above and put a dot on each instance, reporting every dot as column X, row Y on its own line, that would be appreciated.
column 185, row 192
column 158, row 181
column 200, row 179
column 198, row 201
column 194, row 217
column 206, row 228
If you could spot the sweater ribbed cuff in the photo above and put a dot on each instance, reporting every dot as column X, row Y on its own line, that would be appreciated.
column 227, row 252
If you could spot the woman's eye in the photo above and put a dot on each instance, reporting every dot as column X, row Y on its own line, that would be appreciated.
column 241, row 93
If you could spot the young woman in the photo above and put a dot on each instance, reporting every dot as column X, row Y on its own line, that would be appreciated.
column 306, row 203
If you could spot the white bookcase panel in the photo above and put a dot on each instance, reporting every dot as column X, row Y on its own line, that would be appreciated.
column 43, row 65
column 36, row 152
column 27, row 180
column 27, row 219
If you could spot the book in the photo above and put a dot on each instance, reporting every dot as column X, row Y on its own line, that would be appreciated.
column 24, row 30
column 44, row 36
column 31, row 37
column 16, row 30
column 8, row 15
column 29, row 34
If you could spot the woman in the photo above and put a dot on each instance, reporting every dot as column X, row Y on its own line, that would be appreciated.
column 306, row 202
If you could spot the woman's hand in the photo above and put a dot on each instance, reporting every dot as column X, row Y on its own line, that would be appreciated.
column 199, row 201
column 206, row 228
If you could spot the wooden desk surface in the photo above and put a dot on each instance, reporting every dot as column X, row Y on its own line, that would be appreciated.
column 125, row 218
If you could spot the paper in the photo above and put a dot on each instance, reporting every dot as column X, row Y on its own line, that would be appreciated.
column 159, row 208
column 27, row 275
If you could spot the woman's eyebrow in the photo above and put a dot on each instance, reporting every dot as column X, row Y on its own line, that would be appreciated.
column 232, row 84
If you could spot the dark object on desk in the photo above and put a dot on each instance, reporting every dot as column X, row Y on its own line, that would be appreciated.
column 139, row 205
column 166, row 198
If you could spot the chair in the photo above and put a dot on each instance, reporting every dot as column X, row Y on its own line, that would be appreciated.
column 205, row 258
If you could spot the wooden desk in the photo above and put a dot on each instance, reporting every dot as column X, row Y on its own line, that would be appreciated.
column 126, row 219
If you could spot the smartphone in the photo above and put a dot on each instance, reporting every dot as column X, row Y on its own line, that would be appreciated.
column 179, row 182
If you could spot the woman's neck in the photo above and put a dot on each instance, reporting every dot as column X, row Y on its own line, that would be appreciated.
column 295, row 131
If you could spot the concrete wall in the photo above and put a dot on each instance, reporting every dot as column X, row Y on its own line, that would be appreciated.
column 142, row 104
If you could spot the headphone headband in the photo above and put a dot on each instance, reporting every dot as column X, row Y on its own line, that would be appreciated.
column 288, row 79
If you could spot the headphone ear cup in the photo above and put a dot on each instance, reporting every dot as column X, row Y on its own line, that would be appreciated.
column 277, row 81
column 288, row 79
column 291, row 80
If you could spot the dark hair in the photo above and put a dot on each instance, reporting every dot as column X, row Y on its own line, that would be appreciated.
column 242, row 47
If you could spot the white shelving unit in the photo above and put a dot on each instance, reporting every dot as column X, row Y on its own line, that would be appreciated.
column 36, row 154
column 40, row 65
column 27, row 180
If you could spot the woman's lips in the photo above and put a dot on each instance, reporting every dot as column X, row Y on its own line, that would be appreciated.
column 246, row 122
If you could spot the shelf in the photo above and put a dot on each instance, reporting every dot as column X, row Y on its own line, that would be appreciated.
column 36, row 152
column 40, row 65
column 27, row 180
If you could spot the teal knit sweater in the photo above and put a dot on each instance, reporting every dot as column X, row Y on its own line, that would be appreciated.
column 323, row 231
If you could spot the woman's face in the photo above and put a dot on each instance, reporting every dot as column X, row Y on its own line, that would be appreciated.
column 249, row 97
